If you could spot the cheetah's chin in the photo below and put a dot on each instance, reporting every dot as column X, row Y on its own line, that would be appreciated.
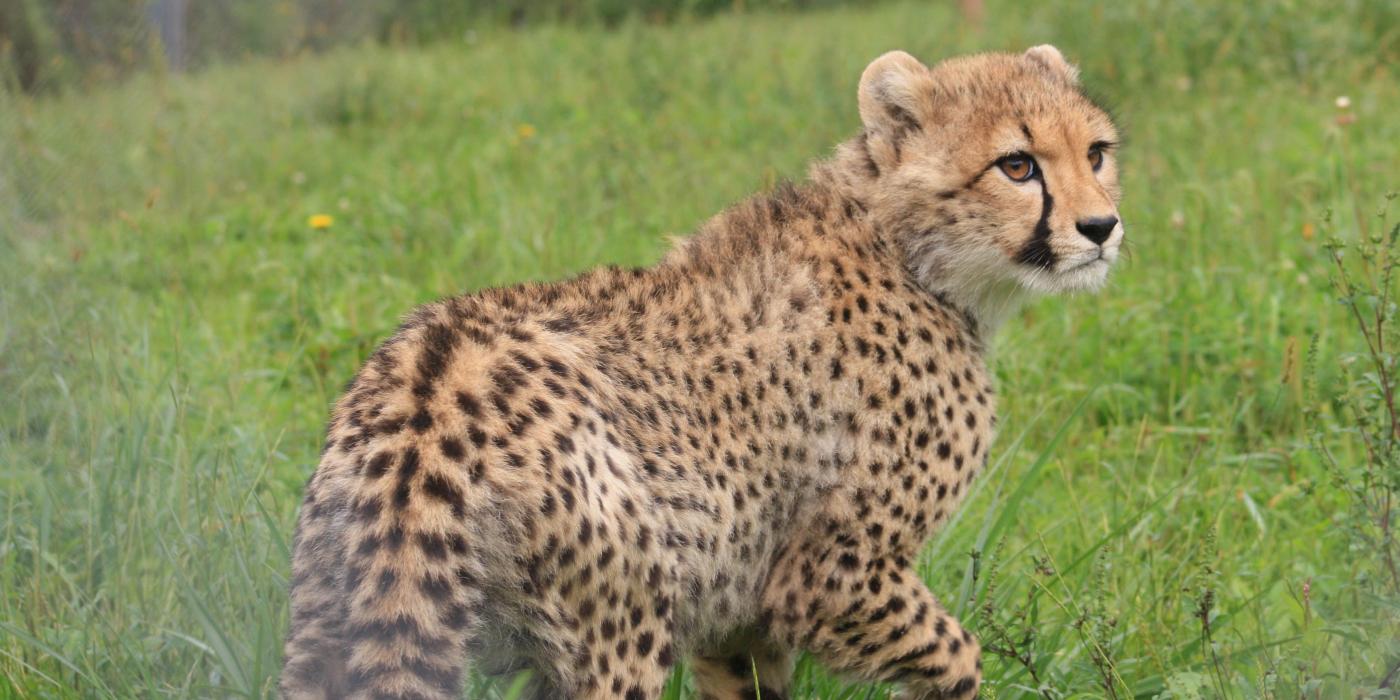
column 1090, row 277
column 1086, row 277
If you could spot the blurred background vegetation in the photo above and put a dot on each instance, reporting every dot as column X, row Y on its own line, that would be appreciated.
column 50, row 44
column 211, row 211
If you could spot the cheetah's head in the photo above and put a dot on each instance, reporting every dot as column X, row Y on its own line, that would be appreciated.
column 996, row 172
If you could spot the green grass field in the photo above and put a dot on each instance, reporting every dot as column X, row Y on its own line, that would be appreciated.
column 173, row 330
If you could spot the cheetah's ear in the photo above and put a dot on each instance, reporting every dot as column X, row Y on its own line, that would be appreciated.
column 896, row 94
column 1050, row 58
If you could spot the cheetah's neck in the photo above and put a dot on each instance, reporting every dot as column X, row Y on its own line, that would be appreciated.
column 954, row 274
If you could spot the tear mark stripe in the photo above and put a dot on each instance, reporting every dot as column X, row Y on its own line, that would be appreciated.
column 1037, row 251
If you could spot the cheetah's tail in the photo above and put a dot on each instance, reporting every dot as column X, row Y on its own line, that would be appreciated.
column 410, row 597
column 394, row 625
column 314, row 654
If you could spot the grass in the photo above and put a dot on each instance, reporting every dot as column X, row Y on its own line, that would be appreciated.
column 173, row 331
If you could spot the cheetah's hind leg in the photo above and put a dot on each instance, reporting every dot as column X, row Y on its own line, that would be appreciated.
column 502, row 652
column 745, row 667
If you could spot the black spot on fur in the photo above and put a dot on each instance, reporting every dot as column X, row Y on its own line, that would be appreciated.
column 477, row 437
column 469, row 405
column 561, row 325
column 407, row 469
column 378, row 465
column 421, row 421
column 870, row 166
column 451, row 448
column 904, row 125
column 438, row 487
column 439, row 341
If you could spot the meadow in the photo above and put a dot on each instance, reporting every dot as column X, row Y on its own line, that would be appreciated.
column 1156, row 521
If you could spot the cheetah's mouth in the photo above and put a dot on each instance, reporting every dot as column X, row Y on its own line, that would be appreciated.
column 1097, row 260
column 1102, row 256
column 1086, row 272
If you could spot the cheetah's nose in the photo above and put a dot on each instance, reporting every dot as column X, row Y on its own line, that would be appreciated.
column 1097, row 229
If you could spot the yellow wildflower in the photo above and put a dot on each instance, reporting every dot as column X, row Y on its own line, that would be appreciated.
column 525, row 131
column 320, row 221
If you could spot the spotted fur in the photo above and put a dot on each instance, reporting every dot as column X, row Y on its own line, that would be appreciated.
column 732, row 456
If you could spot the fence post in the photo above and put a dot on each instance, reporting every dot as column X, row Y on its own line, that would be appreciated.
column 169, row 18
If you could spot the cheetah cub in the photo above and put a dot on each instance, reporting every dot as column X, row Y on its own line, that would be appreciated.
column 731, row 457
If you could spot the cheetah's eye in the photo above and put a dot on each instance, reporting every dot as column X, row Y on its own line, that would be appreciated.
column 1096, row 157
column 1019, row 167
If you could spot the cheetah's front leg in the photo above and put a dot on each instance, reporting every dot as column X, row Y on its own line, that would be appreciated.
column 873, row 618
